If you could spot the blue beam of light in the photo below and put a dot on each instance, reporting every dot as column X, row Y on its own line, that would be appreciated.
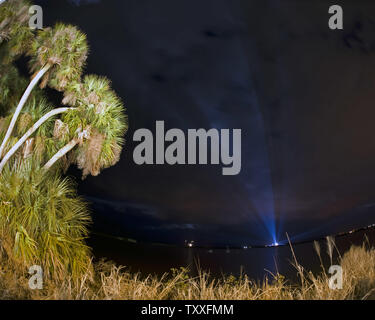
column 259, row 174
column 259, row 181
column 258, row 206
column 258, row 178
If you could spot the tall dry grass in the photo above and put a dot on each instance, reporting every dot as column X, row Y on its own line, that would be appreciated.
column 108, row 281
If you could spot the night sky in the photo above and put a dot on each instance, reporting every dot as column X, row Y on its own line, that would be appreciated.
column 302, row 94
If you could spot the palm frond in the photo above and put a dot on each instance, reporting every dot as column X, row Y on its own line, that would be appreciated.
column 44, row 221
column 65, row 49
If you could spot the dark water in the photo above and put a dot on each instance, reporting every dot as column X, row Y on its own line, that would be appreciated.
column 255, row 262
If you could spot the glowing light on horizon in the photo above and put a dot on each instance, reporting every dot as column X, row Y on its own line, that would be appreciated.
column 189, row 244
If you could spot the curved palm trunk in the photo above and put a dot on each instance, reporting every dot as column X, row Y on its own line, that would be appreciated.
column 22, row 102
column 29, row 132
column 59, row 154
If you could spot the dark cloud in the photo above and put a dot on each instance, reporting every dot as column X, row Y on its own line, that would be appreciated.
column 79, row 2
column 301, row 93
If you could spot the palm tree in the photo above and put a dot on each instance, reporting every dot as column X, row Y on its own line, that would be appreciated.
column 15, row 35
column 57, row 57
column 43, row 221
column 14, row 17
column 30, row 132
column 98, row 124
column 12, row 84
column 34, row 128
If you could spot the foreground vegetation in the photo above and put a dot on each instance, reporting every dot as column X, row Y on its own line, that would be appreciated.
column 108, row 281
column 42, row 219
